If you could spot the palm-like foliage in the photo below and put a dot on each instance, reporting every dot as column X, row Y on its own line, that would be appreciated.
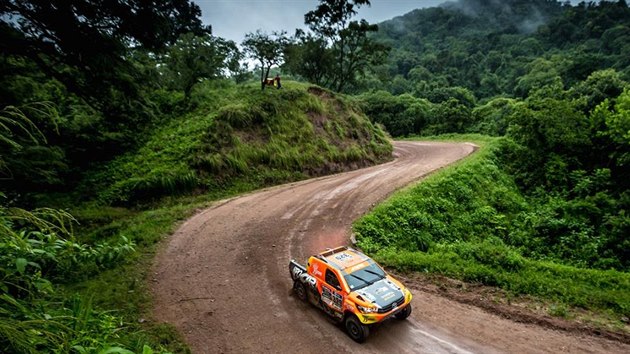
column 17, row 129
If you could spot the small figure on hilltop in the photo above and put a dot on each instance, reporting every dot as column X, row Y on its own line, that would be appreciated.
column 277, row 80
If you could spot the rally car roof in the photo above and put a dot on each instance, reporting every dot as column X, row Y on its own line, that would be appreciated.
column 345, row 258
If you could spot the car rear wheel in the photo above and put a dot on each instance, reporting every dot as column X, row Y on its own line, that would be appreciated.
column 300, row 290
column 356, row 330
column 404, row 313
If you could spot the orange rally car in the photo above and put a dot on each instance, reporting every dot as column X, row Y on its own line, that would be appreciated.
column 352, row 288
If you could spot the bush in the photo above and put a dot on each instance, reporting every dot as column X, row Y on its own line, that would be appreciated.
column 402, row 115
column 35, row 248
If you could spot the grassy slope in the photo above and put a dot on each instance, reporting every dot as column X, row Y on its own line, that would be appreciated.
column 457, row 223
column 237, row 140
column 245, row 135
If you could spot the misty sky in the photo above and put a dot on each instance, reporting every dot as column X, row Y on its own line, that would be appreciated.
column 232, row 19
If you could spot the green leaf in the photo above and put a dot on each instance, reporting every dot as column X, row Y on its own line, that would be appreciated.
column 80, row 349
column 42, row 285
column 115, row 350
column 147, row 350
column 20, row 264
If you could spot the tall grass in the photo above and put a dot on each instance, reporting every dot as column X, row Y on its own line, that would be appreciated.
column 37, row 252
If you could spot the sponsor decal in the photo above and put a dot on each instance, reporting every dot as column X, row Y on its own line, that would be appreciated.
column 311, row 281
column 296, row 272
column 389, row 296
column 367, row 296
column 358, row 267
column 343, row 257
column 331, row 298
column 381, row 290
column 316, row 270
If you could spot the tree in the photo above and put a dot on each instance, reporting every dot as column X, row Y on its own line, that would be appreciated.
column 352, row 49
column 193, row 58
column 362, row 52
column 599, row 86
column 309, row 57
column 491, row 117
column 13, row 123
column 461, row 94
column 267, row 49
column 84, row 43
column 541, row 72
column 450, row 116
column 88, row 48
column 614, row 125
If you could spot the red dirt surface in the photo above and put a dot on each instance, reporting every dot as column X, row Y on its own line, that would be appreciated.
column 222, row 278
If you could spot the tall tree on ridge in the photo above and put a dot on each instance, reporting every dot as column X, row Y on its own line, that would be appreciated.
column 352, row 49
column 193, row 58
column 267, row 49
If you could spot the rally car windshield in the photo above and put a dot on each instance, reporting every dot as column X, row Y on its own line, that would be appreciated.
column 364, row 277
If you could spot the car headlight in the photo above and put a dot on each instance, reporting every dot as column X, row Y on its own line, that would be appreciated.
column 367, row 309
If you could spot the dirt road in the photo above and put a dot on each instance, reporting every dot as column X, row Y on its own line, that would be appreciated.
column 222, row 278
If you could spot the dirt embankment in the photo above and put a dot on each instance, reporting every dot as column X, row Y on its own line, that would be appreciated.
column 222, row 279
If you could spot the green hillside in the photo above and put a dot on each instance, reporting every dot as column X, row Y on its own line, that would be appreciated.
column 451, row 67
column 242, row 135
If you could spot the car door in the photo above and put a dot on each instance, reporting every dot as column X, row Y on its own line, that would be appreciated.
column 332, row 293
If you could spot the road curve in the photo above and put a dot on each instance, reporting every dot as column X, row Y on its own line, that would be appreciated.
column 222, row 278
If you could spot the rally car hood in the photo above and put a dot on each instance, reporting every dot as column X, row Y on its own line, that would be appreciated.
column 381, row 293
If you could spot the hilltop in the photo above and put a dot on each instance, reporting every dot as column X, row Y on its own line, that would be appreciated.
column 240, row 135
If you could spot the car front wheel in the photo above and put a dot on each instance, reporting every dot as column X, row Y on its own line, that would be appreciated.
column 356, row 330
column 404, row 313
